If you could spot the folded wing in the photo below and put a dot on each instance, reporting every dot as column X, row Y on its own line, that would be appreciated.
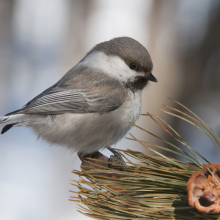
column 78, row 94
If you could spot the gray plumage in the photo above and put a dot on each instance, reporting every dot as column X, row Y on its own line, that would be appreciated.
column 88, row 108
column 78, row 92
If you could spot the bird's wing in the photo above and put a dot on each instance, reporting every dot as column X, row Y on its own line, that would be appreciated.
column 73, row 101
column 74, row 96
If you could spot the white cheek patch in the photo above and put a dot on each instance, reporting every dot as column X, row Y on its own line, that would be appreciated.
column 113, row 66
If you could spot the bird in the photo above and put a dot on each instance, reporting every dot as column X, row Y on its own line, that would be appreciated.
column 89, row 108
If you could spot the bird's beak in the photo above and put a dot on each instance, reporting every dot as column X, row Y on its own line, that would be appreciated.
column 151, row 77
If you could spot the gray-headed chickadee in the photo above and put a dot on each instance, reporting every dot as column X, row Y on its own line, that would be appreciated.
column 89, row 107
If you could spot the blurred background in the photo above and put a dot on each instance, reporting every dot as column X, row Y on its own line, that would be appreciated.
column 41, row 40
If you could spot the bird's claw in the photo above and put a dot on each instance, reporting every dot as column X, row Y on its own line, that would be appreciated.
column 115, row 158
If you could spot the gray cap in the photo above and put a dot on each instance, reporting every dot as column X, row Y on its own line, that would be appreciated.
column 130, row 50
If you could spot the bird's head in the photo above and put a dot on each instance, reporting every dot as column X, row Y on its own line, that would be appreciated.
column 122, row 58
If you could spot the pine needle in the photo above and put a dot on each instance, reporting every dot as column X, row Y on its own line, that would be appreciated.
column 154, row 187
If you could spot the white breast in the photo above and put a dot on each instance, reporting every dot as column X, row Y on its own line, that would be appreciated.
column 132, row 107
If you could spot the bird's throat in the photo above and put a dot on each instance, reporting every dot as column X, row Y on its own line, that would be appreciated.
column 138, row 84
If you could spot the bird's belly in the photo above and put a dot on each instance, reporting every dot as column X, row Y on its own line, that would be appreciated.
column 90, row 132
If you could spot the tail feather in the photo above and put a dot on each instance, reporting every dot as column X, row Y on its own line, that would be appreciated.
column 11, row 120
column 3, row 118
column 6, row 128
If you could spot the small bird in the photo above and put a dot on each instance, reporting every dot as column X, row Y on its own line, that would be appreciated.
column 88, row 109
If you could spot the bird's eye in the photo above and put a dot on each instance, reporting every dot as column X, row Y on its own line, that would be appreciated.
column 132, row 66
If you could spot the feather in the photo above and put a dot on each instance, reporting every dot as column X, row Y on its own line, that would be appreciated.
column 78, row 93
column 6, row 128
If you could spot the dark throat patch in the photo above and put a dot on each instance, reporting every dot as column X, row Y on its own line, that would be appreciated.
column 138, row 84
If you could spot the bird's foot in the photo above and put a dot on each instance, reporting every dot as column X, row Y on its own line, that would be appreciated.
column 114, row 162
column 117, row 158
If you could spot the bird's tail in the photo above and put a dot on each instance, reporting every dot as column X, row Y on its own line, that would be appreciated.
column 11, row 120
